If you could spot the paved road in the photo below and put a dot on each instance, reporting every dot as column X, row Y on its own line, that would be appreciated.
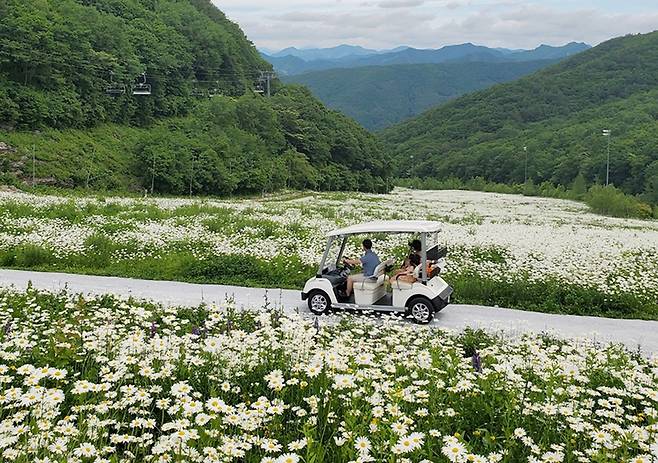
column 632, row 333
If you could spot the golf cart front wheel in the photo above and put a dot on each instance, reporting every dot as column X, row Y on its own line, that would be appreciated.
column 421, row 310
column 318, row 302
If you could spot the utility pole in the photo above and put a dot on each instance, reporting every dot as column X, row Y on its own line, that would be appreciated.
column 153, row 175
column 191, row 179
column 525, row 177
column 607, row 133
column 88, row 164
column 194, row 159
column 34, row 165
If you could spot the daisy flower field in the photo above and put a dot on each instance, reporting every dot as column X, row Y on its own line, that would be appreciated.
column 108, row 380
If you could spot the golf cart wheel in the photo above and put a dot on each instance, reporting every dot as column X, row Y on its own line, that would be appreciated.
column 421, row 310
column 318, row 302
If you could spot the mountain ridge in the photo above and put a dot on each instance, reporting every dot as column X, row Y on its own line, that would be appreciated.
column 294, row 65
column 379, row 96
column 558, row 114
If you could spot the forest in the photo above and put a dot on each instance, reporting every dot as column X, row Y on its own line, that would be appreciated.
column 380, row 96
column 552, row 122
column 164, row 95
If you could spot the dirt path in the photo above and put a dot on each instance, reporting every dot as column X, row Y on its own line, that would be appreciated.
column 632, row 333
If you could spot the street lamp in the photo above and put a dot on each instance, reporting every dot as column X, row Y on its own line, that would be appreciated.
column 34, row 160
column 607, row 133
column 525, row 178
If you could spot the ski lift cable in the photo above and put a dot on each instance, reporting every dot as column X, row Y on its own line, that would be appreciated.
column 102, row 73
column 85, row 65
column 142, row 88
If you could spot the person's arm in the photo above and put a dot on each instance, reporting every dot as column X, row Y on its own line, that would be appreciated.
column 352, row 261
column 403, row 271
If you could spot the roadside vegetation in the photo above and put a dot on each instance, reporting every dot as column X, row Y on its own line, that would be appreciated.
column 529, row 253
column 213, row 384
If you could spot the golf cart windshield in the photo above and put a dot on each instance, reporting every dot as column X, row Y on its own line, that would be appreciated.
column 333, row 254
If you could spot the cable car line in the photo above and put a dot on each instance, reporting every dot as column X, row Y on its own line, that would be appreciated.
column 209, row 85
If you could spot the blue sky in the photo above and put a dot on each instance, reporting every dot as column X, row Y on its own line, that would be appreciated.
column 277, row 24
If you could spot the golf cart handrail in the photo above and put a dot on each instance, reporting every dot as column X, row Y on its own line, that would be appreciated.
column 389, row 226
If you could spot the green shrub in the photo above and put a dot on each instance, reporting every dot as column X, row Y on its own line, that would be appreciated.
column 99, row 251
column 30, row 256
column 613, row 202
column 548, row 295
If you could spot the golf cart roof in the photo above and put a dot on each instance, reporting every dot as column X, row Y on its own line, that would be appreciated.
column 389, row 226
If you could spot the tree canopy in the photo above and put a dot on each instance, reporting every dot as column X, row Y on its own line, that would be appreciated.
column 68, row 68
column 380, row 96
column 558, row 114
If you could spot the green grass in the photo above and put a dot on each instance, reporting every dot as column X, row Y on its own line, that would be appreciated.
column 279, row 272
column 548, row 295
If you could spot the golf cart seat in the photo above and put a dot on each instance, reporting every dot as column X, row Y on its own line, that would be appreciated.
column 367, row 291
column 401, row 285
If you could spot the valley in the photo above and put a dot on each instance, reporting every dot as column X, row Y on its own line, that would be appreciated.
column 348, row 251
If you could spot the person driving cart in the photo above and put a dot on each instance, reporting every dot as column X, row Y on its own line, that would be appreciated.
column 369, row 262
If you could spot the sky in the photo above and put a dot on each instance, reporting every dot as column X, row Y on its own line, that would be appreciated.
column 382, row 24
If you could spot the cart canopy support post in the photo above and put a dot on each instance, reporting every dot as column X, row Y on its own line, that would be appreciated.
column 330, row 241
column 423, row 257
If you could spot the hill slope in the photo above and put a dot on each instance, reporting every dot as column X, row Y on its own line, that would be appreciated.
column 379, row 96
column 59, row 59
column 558, row 114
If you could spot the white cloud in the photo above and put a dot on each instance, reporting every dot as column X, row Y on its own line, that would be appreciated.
column 434, row 23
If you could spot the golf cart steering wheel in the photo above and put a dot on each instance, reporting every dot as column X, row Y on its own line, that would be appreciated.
column 346, row 270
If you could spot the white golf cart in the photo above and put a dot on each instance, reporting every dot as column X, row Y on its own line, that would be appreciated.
column 421, row 300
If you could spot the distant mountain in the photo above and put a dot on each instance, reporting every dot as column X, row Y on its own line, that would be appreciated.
column 352, row 57
column 548, row 52
column 315, row 54
column 558, row 114
column 379, row 96
column 291, row 65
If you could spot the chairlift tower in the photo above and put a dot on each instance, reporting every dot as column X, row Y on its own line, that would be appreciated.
column 265, row 83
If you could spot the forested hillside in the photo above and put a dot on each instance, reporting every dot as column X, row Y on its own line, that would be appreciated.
column 69, row 71
column 558, row 114
column 379, row 96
